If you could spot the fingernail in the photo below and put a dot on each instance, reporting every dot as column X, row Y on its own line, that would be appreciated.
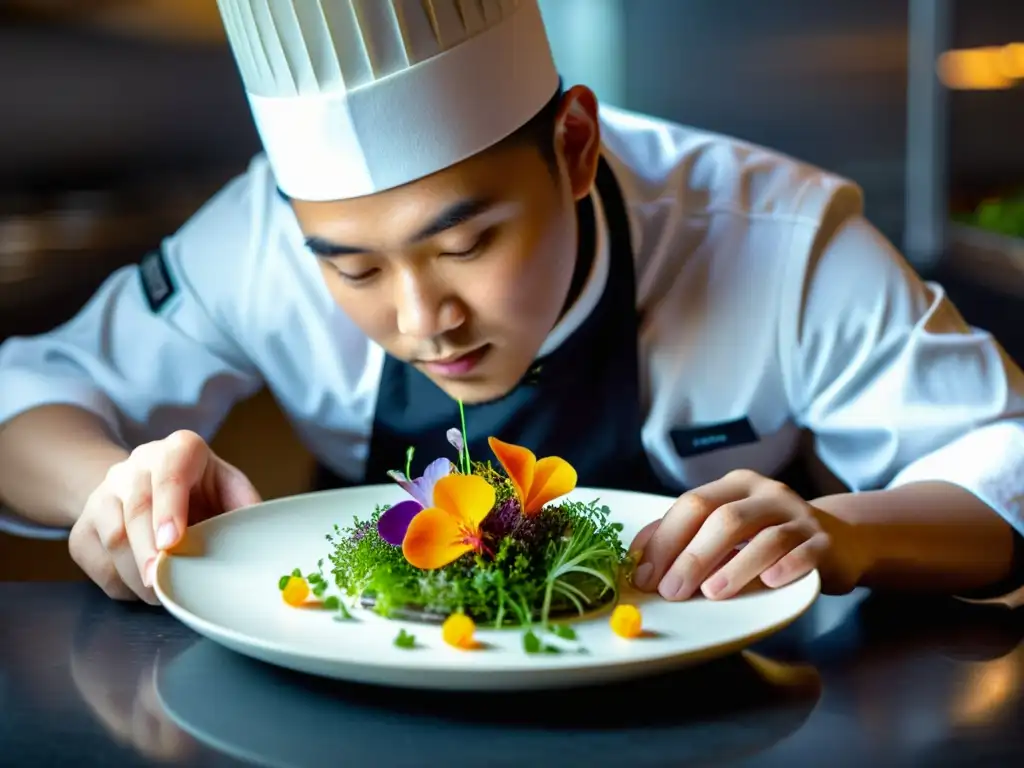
column 715, row 584
column 671, row 587
column 149, row 572
column 642, row 577
column 165, row 535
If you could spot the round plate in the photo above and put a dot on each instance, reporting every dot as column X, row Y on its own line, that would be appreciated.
column 222, row 581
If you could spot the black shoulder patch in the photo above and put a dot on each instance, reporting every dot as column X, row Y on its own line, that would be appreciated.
column 156, row 280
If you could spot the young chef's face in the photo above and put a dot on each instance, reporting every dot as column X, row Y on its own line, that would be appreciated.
column 464, row 273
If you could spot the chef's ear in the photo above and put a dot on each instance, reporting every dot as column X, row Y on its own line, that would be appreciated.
column 579, row 138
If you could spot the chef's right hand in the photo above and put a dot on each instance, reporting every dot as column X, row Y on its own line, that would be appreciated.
column 144, row 505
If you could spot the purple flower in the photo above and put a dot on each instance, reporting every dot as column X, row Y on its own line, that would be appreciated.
column 395, row 521
column 455, row 438
column 422, row 489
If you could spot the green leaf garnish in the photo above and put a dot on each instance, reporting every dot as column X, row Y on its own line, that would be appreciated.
column 319, row 589
column 405, row 640
column 531, row 643
column 283, row 582
column 564, row 632
column 297, row 572
column 332, row 603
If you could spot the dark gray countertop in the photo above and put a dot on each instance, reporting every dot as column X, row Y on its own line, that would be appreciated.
column 858, row 681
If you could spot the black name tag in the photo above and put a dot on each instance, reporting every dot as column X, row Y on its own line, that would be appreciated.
column 698, row 440
column 156, row 280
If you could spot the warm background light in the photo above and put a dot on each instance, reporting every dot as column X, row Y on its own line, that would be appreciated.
column 982, row 69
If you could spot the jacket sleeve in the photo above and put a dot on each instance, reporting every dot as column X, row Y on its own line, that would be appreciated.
column 895, row 386
column 153, row 350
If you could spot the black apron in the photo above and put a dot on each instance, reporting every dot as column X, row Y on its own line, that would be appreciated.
column 581, row 402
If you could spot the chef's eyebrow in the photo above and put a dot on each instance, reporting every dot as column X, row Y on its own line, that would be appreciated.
column 452, row 216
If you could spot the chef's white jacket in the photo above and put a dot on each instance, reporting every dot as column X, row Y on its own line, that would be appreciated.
column 764, row 292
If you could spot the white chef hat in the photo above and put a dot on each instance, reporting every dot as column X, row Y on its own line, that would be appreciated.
column 352, row 97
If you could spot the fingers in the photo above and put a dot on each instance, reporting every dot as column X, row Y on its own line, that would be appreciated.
column 798, row 563
column 767, row 548
column 138, row 522
column 91, row 556
column 109, row 523
column 234, row 490
column 674, row 531
column 178, row 469
column 725, row 528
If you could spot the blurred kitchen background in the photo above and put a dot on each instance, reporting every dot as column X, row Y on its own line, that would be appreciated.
column 118, row 118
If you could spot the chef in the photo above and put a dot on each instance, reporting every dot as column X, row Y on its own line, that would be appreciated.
column 435, row 219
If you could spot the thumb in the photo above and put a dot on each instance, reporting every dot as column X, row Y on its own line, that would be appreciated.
column 234, row 489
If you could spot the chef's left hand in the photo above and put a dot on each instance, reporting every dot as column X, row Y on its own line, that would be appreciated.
column 694, row 546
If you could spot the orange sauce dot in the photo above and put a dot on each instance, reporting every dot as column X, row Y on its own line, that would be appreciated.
column 627, row 622
column 295, row 591
column 458, row 631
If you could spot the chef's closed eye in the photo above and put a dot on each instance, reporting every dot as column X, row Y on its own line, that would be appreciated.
column 469, row 246
column 351, row 271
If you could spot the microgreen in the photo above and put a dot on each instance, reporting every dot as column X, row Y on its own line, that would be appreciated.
column 467, row 465
column 405, row 640
column 564, row 632
column 491, row 545
column 558, row 563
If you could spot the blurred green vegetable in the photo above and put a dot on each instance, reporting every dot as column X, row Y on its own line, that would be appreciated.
column 1005, row 216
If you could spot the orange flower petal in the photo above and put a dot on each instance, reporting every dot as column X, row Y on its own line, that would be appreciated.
column 468, row 498
column 554, row 477
column 519, row 464
column 434, row 539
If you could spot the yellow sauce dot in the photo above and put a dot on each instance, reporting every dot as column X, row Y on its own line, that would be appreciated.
column 458, row 631
column 627, row 622
column 295, row 591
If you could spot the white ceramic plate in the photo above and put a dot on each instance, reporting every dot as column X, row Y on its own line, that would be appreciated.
column 222, row 582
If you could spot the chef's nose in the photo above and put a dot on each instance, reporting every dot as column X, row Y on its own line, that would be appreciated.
column 425, row 308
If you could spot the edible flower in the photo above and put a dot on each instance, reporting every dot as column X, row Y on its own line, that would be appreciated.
column 535, row 482
column 458, row 631
column 451, row 527
column 455, row 438
column 626, row 621
column 395, row 521
column 295, row 591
